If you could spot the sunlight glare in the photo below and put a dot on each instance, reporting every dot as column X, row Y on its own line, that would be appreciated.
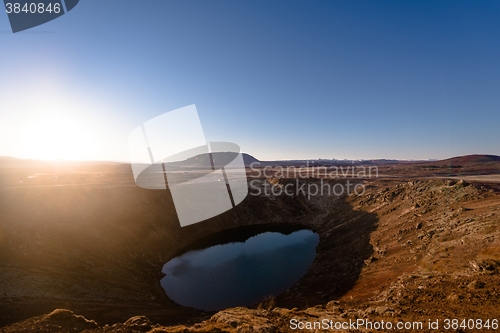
column 57, row 139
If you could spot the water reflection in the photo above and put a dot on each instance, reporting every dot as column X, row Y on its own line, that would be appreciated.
column 241, row 273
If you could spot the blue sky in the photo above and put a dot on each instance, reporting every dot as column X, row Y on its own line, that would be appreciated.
column 282, row 79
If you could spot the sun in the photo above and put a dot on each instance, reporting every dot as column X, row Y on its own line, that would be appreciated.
column 57, row 139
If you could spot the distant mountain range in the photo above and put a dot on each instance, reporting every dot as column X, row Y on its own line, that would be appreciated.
column 219, row 158
column 460, row 160
column 469, row 159
column 223, row 158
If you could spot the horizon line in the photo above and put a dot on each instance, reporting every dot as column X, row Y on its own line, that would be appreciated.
column 277, row 160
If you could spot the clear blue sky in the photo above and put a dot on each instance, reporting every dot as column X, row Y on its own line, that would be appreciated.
column 283, row 79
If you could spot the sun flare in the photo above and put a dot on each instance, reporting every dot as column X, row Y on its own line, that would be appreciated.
column 57, row 139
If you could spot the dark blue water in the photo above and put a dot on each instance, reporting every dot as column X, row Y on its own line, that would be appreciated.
column 238, row 274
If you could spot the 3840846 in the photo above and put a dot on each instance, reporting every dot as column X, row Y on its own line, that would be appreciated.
column 32, row 8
